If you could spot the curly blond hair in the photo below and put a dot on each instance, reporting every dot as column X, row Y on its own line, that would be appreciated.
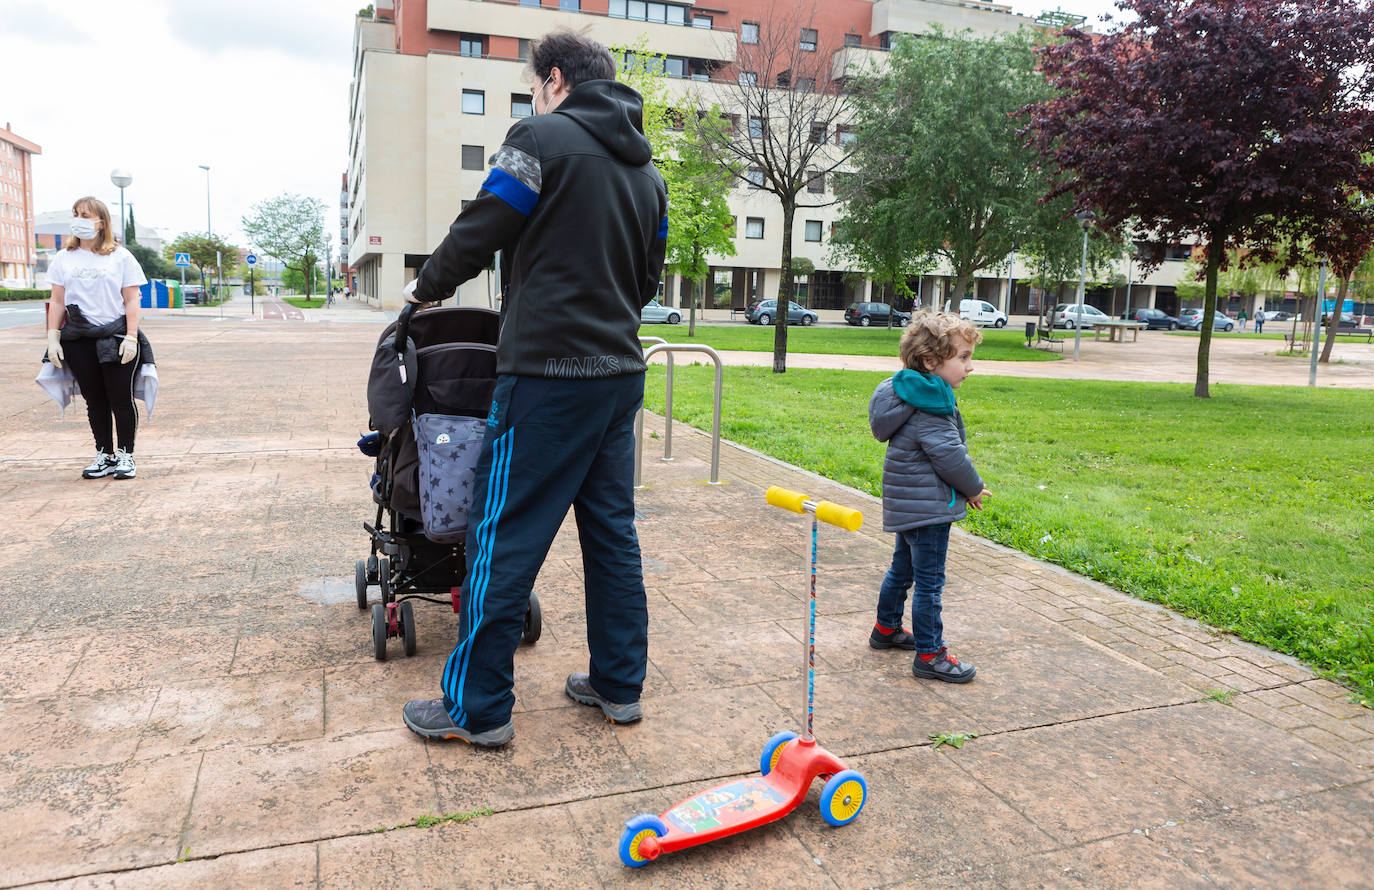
column 932, row 335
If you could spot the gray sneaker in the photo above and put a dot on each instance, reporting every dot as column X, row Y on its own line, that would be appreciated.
column 579, row 689
column 123, row 466
column 431, row 719
column 102, row 465
column 943, row 667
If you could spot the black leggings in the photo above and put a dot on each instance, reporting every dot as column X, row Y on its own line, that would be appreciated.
column 108, row 389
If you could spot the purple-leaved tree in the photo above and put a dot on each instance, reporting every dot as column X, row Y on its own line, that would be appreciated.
column 1232, row 122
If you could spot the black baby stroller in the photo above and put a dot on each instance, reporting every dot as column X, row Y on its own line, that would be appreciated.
column 428, row 394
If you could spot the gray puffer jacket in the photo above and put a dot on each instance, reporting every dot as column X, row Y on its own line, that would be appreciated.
column 927, row 474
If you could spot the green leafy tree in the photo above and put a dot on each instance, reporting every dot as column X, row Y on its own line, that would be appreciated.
column 130, row 229
column 153, row 265
column 207, row 251
column 290, row 228
column 293, row 279
column 251, row 273
column 942, row 171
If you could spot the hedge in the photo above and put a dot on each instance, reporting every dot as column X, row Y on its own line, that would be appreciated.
column 27, row 293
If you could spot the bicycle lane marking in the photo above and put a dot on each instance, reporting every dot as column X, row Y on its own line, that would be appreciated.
column 281, row 311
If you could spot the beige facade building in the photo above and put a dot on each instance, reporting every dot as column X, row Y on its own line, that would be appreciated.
column 18, row 252
column 437, row 83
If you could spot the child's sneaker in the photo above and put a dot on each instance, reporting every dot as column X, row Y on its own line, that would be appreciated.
column 123, row 465
column 883, row 638
column 102, row 464
column 942, row 666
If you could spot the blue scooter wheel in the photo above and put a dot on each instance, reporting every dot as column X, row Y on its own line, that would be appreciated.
column 843, row 796
column 636, row 830
column 772, row 750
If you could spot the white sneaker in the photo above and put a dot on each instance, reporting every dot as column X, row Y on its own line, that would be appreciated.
column 123, row 465
column 102, row 465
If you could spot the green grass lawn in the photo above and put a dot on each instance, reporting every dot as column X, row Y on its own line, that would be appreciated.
column 304, row 302
column 1250, row 510
column 1004, row 345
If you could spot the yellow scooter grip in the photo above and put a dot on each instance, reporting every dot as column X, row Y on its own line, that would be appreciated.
column 844, row 517
column 788, row 500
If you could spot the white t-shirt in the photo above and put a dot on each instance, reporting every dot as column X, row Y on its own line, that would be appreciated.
column 93, row 281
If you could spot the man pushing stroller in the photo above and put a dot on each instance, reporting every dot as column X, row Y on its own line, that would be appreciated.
column 579, row 212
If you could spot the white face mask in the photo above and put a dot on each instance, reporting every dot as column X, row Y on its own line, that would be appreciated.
column 539, row 92
column 83, row 228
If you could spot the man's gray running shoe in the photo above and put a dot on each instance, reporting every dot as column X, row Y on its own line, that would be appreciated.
column 431, row 720
column 579, row 688
column 102, row 464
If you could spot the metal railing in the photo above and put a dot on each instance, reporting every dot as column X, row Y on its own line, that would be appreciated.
column 669, row 349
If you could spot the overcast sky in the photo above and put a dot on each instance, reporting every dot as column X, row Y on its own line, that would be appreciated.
column 255, row 89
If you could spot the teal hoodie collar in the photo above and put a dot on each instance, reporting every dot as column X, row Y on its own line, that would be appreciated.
column 925, row 392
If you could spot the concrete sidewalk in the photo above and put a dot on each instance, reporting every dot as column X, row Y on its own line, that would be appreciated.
column 189, row 699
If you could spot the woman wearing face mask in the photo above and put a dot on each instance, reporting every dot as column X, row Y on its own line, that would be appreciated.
column 95, row 286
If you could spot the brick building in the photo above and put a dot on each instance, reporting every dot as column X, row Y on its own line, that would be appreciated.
column 17, row 252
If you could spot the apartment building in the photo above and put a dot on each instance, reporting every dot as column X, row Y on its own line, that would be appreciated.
column 17, row 251
column 437, row 83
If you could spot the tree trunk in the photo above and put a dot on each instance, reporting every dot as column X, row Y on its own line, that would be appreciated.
column 960, row 288
column 1215, row 250
column 692, row 309
column 1335, row 323
column 789, row 210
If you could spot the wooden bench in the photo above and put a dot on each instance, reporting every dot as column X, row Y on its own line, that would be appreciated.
column 1367, row 333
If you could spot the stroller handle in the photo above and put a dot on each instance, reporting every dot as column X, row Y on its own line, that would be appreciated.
column 403, row 326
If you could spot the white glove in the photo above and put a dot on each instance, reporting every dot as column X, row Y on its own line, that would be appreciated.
column 55, row 354
column 409, row 292
column 128, row 348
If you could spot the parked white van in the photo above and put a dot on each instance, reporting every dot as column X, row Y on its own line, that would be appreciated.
column 982, row 313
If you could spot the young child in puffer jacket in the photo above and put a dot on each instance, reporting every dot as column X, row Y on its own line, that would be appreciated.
column 927, row 480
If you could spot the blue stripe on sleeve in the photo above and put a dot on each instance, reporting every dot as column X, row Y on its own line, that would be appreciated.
column 663, row 228
column 511, row 190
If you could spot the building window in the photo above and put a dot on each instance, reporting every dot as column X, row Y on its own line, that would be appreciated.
column 471, row 45
column 522, row 50
column 748, row 78
column 521, row 105
column 813, row 230
column 529, row 2
column 653, row 11
column 474, row 102
column 808, row 39
column 657, row 12
column 756, row 128
column 754, row 177
column 474, row 157
column 749, row 32
column 806, row 84
column 753, row 227
column 703, row 21
column 818, row 131
column 852, row 39
column 844, row 136
column 675, row 66
column 570, row 5
column 815, row 182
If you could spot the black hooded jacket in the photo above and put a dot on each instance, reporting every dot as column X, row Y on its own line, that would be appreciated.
column 581, row 213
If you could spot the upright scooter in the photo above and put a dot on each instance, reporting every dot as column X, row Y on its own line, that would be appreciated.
column 788, row 764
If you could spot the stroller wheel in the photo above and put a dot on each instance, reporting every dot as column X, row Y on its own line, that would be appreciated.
column 379, row 631
column 372, row 568
column 408, row 628
column 360, row 583
column 534, row 620
column 384, row 578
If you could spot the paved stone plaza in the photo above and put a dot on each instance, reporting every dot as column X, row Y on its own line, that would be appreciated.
column 188, row 696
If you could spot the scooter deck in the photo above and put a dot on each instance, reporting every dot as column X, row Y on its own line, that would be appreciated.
column 730, row 809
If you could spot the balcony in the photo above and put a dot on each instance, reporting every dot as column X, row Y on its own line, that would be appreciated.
column 917, row 16
column 849, row 61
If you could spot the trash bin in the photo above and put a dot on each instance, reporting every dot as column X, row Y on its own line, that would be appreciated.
column 1030, row 332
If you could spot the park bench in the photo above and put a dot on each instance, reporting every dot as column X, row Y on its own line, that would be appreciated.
column 739, row 310
column 1367, row 333
column 1047, row 340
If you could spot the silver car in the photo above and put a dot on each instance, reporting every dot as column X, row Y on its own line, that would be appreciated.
column 1066, row 315
column 653, row 313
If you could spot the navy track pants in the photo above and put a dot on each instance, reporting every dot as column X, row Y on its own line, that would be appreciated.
column 551, row 444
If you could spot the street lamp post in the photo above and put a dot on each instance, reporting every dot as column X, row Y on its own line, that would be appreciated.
column 1086, row 218
column 328, row 259
column 209, row 232
column 1011, row 267
column 120, row 178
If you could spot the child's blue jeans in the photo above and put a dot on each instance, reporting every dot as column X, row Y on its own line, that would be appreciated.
column 917, row 559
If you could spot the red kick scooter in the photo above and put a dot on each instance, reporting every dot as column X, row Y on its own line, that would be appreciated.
column 789, row 762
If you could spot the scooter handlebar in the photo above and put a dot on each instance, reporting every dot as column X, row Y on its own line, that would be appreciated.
column 788, row 500
column 826, row 511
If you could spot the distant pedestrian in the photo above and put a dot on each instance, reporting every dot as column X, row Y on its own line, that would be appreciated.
column 1259, row 321
column 927, row 479
column 1241, row 318
column 93, row 327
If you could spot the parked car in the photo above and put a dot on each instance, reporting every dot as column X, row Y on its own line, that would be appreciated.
column 1153, row 318
column 1277, row 315
column 1065, row 315
column 982, row 313
column 1191, row 319
column 192, row 294
column 1347, row 320
column 653, row 313
column 765, row 311
column 866, row 314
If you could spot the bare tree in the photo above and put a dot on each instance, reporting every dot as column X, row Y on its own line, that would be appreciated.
column 787, row 110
